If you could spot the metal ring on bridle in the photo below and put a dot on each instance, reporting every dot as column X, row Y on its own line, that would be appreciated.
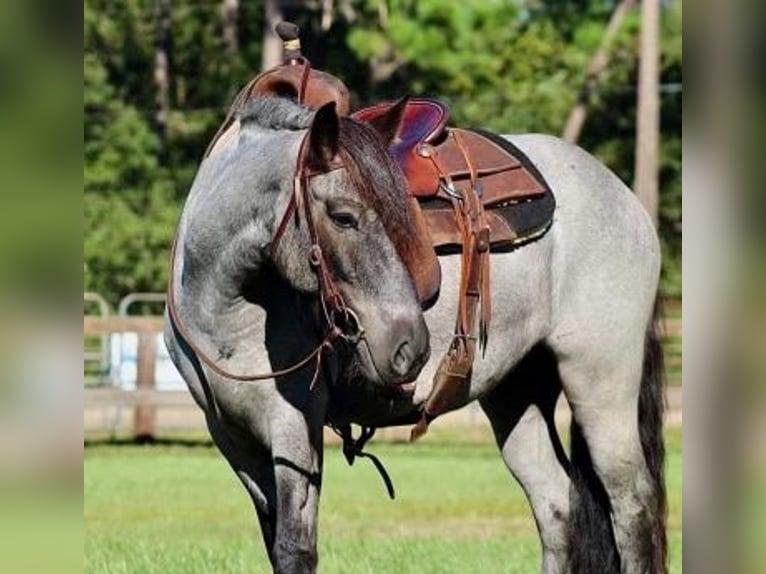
column 315, row 255
column 348, row 323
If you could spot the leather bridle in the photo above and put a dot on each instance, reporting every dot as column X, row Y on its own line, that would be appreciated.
column 340, row 321
column 337, row 315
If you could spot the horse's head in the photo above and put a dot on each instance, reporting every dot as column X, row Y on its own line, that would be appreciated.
column 356, row 209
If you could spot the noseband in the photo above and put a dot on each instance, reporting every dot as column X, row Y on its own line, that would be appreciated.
column 341, row 322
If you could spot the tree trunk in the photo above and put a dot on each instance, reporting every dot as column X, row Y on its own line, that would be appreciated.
column 272, row 45
column 230, row 13
column 162, row 66
column 327, row 10
column 646, row 183
column 595, row 70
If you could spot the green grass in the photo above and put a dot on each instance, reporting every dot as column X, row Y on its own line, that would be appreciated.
column 181, row 510
column 672, row 343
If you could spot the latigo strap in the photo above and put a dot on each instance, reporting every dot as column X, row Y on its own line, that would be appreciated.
column 452, row 380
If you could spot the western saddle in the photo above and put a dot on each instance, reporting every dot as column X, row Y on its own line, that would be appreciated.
column 472, row 191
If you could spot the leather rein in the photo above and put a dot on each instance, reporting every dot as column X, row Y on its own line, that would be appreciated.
column 341, row 322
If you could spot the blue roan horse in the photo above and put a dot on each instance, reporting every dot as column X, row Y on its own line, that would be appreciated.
column 572, row 312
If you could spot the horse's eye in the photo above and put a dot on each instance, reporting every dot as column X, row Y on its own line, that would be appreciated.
column 344, row 220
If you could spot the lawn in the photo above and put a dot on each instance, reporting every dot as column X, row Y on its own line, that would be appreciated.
column 177, row 509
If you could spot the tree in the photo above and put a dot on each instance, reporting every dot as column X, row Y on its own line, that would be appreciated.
column 596, row 69
column 230, row 16
column 501, row 64
column 162, row 65
column 647, row 115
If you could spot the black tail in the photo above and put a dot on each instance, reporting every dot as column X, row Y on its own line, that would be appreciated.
column 651, row 411
column 591, row 539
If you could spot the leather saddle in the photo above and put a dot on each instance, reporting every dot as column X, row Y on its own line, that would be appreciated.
column 477, row 193
column 296, row 80
column 437, row 162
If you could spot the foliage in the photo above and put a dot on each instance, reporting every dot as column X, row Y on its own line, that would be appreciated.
column 518, row 67
column 126, row 188
column 135, row 177
column 507, row 65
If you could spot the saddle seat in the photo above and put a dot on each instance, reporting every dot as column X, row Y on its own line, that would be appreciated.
column 288, row 80
column 442, row 164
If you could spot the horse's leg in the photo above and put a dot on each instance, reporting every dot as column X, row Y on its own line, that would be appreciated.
column 296, row 443
column 283, row 478
column 617, row 432
column 247, row 451
column 521, row 410
column 253, row 466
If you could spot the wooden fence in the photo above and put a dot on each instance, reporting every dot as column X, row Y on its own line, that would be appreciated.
column 145, row 401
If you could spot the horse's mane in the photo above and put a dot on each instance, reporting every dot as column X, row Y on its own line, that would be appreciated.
column 372, row 171
column 275, row 114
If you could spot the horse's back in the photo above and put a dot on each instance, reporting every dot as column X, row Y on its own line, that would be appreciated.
column 605, row 259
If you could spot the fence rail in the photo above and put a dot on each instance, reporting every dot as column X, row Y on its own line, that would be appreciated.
column 146, row 402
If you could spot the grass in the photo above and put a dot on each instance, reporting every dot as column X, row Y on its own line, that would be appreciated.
column 174, row 509
column 672, row 342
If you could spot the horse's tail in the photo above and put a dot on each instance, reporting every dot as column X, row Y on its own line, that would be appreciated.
column 651, row 411
column 591, row 541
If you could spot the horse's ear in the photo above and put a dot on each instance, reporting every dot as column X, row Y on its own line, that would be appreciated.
column 324, row 136
column 388, row 123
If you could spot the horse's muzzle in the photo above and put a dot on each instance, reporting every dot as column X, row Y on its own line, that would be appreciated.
column 411, row 350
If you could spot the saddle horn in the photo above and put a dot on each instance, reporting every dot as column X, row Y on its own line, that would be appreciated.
column 289, row 33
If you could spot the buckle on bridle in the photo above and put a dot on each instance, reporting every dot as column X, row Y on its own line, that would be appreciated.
column 450, row 189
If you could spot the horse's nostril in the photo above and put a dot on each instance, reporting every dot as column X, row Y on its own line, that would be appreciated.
column 402, row 359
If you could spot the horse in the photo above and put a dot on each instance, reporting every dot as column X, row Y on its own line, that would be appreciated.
column 574, row 312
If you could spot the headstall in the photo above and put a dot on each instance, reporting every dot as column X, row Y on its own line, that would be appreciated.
column 341, row 321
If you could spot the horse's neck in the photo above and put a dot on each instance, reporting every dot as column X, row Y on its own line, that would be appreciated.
column 234, row 207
